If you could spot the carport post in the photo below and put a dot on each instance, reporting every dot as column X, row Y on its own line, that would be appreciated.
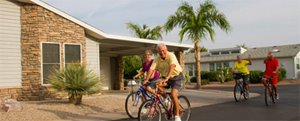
column 120, row 79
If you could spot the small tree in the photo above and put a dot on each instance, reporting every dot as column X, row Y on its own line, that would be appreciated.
column 76, row 80
column 196, row 25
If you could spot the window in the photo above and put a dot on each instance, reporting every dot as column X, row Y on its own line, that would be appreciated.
column 226, row 65
column 191, row 70
column 50, row 59
column 212, row 67
column 72, row 54
column 235, row 52
column 219, row 65
column 215, row 53
column 225, row 52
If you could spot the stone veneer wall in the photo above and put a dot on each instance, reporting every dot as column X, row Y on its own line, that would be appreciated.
column 41, row 25
column 10, row 92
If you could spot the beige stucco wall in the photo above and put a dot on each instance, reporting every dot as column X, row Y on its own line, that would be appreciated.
column 105, row 71
column 297, row 71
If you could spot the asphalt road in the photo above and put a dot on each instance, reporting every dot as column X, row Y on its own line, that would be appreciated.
column 218, row 104
column 287, row 108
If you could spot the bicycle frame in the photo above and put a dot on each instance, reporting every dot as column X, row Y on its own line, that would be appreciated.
column 240, row 83
column 141, row 92
column 157, row 100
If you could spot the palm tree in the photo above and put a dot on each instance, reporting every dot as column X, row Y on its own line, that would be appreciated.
column 145, row 32
column 196, row 25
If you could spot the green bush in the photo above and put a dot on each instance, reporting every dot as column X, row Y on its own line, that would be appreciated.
column 282, row 74
column 131, row 65
column 76, row 80
column 193, row 79
column 214, row 76
column 204, row 75
column 227, row 74
column 255, row 76
column 204, row 82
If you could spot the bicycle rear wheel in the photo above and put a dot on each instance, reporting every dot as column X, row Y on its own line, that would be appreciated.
column 184, row 108
column 149, row 111
column 132, row 105
column 237, row 92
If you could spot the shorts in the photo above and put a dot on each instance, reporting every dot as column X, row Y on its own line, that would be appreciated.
column 175, row 82
column 274, row 79
column 152, row 83
column 245, row 77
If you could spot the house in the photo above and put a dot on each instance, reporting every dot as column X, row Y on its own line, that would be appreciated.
column 36, row 37
column 288, row 56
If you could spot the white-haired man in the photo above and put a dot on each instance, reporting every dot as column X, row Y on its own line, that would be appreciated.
column 171, row 72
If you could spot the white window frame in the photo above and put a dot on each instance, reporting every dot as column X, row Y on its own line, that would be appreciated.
column 64, row 54
column 42, row 67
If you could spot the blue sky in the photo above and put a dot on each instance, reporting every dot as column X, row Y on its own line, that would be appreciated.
column 255, row 23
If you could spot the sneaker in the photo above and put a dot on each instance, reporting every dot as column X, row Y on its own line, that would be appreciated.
column 177, row 118
column 247, row 94
column 277, row 96
column 167, row 102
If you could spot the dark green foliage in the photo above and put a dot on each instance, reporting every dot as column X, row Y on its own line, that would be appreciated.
column 282, row 74
column 255, row 76
column 203, row 81
column 204, row 75
column 131, row 65
column 76, row 80
column 193, row 79
column 214, row 76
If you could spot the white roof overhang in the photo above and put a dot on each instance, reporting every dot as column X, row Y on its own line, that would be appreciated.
column 113, row 45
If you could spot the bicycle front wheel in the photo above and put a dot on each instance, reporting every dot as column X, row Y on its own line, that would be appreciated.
column 268, row 95
column 184, row 108
column 132, row 104
column 237, row 92
column 273, row 94
column 149, row 111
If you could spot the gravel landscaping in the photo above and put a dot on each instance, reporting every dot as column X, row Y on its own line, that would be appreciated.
column 50, row 110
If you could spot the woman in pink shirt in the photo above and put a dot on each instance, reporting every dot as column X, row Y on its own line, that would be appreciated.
column 146, row 66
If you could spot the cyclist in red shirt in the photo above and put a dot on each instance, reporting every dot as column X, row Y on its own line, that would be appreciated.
column 272, row 67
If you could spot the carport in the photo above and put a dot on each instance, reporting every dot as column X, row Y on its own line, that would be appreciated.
column 113, row 48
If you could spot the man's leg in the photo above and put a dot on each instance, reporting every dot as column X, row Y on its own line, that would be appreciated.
column 174, row 94
column 149, row 89
column 161, row 88
column 264, row 81
column 274, row 82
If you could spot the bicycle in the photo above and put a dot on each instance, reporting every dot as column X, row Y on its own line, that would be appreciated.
column 240, row 88
column 269, row 96
column 133, row 100
column 151, row 109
